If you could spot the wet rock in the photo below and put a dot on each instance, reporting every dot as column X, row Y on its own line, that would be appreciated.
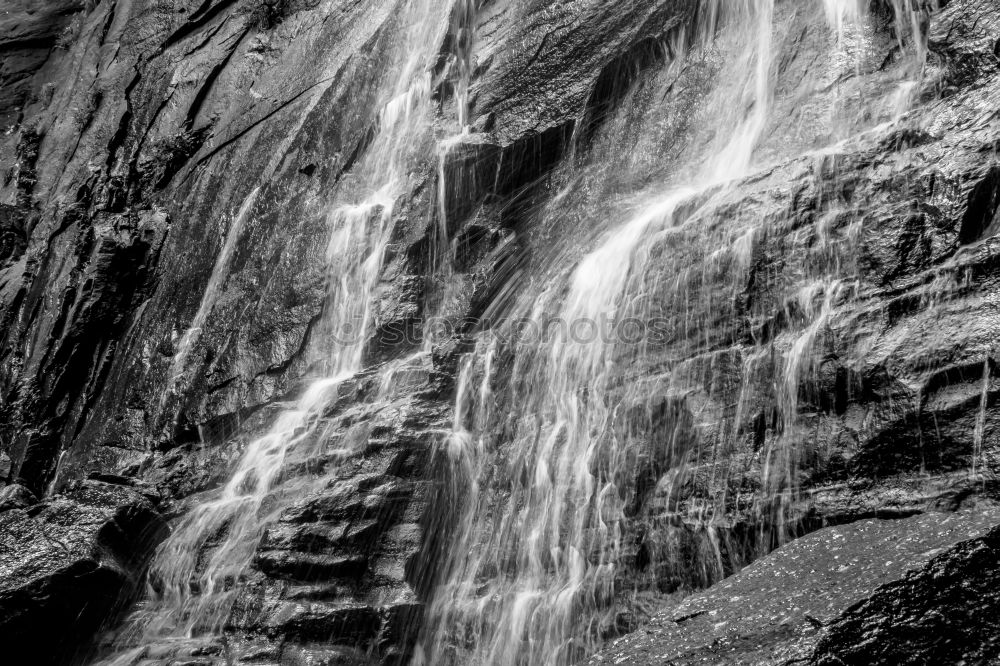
column 69, row 565
column 322, row 655
column 341, row 623
column 542, row 87
column 309, row 567
column 936, row 614
column 135, row 133
column 16, row 496
column 29, row 30
column 876, row 591
column 348, row 538
column 964, row 38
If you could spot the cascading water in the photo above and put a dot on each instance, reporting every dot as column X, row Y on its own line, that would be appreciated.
column 459, row 76
column 842, row 15
column 548, row 559
column 979, row 431
column 464, row 34
column 542, row 453
column 196, row 572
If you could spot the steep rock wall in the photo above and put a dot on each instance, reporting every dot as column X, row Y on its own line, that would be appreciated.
column 164, row 148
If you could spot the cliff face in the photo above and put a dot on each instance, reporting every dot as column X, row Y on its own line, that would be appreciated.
column 171, row 169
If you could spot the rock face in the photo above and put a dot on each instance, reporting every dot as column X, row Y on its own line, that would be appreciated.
column 169, row 173
column 69, row 566
column 339, row 571
column 29, row 31
column 16, row 497
column 909, row 591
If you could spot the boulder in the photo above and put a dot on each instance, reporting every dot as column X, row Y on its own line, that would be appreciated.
column 15, row 496
column 67, row 565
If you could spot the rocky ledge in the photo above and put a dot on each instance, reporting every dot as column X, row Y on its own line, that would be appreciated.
column 68, row 565
column 917, row 590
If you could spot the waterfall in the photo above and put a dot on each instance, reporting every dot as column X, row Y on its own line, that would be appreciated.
column 543, row 451
column 529, row 581
column 464, row 33
column 195, row 575
column 841, row 14
column 461, row 63
column 552, row 414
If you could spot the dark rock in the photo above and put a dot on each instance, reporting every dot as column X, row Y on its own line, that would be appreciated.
column 29, row 29
column 69, row 566
column 540, row 88
column 875, row 592
column 980, row 220
column 307, row 567
column 344, row 624
column 16, row 496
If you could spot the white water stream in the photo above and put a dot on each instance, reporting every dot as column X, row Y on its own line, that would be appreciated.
column 533, row 569
column 196, row 572
column 528, row 586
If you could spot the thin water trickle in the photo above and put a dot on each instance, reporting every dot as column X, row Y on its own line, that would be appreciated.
column 911, row 20
column 56, row 474
column 443, row 249
column 911, row 17
column 752, row 66
column 210, row 296
column 843, row 14
column 979, row 430
column 464, row 34
column 196, row 593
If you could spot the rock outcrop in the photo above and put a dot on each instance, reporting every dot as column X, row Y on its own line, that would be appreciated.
column 169, row 172
column 29, row 31
column 907, row 591
column 69, row 566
